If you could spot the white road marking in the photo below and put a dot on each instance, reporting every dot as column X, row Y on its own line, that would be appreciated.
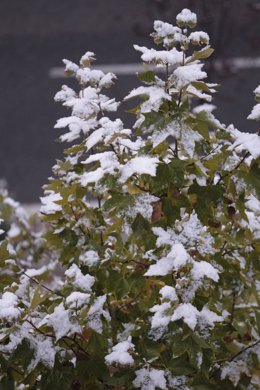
column 234, row 64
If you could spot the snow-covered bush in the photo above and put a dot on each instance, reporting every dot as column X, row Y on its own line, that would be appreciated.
column 146, row 274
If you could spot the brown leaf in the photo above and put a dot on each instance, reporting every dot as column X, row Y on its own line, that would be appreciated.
column 157, row 210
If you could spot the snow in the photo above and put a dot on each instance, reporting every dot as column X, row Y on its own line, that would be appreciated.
column 70, row 66
column 140, row 165
column 199, row 37
column 164, row 29
column 190, row 232
column 255, row 113
column 89, row 103
column 191, row 316
column 189, row 138
column 8, row 307
column 196, row 92
column 161, row 318
column 61, row 323
column 43, row 349
column 14, row 230
column 188, row 313
column 120, row 354
column 86, row 105
column 155, row 95
column 208, row 317
column 107, row 104
column 257, row 91
column 84, row 282
column 88, row 57
column 173, row 129
column 188, row 73
column 203, row 268
column 233, row 371
column 176, row 259
column 39, row 271
column 94, row 139
column 48, row 203
column 168, row 292
column 248, row 141
column 108, row 165
column 95, row 312
column 204, row 107
column 186, row 17
column 108, row 160
column 253, row 203
column 92, row 177
column 177, row 381
column 150, row 379
column 107, row 80
column 77, row 299
column 143, row 205
column 44, row 352
column 132, row 145
column 87, row 75
column 75, row 125
column 253, row 215
column 171, row 57
column 106, row 132
column 89, row 258
column 64, row 94
column 1, row 230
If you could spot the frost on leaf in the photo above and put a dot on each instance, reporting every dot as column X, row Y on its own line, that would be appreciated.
column 233, row 371
column 150, row 379
column 95, row 314
column 143, row 205
column 189, row 232
column 253, row 215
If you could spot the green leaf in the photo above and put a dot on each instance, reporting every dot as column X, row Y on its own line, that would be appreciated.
column 201, row 54
column 147, row 77
column 140, row 225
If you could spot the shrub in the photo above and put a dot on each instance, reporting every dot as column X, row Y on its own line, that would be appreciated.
column 146, row 271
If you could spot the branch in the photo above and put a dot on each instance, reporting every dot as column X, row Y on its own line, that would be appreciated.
column 243, row 350
column 235, row 168
column 42, row 285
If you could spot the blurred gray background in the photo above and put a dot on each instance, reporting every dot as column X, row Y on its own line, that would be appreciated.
column 35, row 35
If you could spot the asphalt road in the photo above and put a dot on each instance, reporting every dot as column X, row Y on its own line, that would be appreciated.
column 36, row 35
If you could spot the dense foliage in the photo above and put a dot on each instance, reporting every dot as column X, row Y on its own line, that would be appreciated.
column 145, row 272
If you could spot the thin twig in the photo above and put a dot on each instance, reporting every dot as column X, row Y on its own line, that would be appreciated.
column 42, row 285
column 243, row 350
